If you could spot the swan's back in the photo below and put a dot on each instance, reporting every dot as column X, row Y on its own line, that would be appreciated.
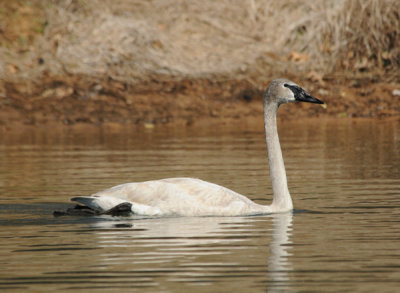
column 174, row 196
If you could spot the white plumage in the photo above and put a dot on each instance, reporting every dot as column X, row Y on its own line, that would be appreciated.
column 175, row 196
column 195, row 197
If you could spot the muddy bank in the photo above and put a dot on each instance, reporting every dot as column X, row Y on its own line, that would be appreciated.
column 80, row 99
column 121, row 62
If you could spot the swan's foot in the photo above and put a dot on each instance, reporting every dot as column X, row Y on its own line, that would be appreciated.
column 121, row 210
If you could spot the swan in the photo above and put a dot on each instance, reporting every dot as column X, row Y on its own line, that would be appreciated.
column 195, row 197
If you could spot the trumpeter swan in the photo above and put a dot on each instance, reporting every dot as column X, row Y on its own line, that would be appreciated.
column 194, row 197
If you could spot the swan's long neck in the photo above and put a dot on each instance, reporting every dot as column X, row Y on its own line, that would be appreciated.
column 281, row 200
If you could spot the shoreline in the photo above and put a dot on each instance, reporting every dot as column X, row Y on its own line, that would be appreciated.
column 70, row 100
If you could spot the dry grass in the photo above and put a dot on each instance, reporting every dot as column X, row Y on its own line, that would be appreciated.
column 133, row 40
column 359, row 35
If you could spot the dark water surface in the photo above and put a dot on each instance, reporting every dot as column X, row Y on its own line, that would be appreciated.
column 344, row 235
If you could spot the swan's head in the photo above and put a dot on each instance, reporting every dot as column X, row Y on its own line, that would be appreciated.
column 283, row 91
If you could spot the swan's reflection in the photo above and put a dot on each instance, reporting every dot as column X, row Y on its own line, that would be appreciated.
column 278, row 262
column 199, row 249
column 176, row 230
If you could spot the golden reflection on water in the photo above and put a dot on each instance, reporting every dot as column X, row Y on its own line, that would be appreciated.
column 343, row 175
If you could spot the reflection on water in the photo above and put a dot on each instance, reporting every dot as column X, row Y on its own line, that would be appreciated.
column 278, row 261
column 202, row 250
column 344, row 177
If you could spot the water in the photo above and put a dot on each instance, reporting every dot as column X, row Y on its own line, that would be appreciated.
column 344, row 235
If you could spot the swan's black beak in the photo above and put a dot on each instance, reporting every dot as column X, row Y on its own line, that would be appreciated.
column 301, row 95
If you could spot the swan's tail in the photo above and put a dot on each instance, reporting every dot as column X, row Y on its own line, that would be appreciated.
column 90, row 202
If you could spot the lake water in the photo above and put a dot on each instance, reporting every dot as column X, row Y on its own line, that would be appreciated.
column 343, row 236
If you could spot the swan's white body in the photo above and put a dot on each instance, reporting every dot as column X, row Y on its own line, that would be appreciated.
column 176, row 196
column 194, row 197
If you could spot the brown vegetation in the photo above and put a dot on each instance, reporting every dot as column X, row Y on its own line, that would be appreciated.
column 168, row 60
